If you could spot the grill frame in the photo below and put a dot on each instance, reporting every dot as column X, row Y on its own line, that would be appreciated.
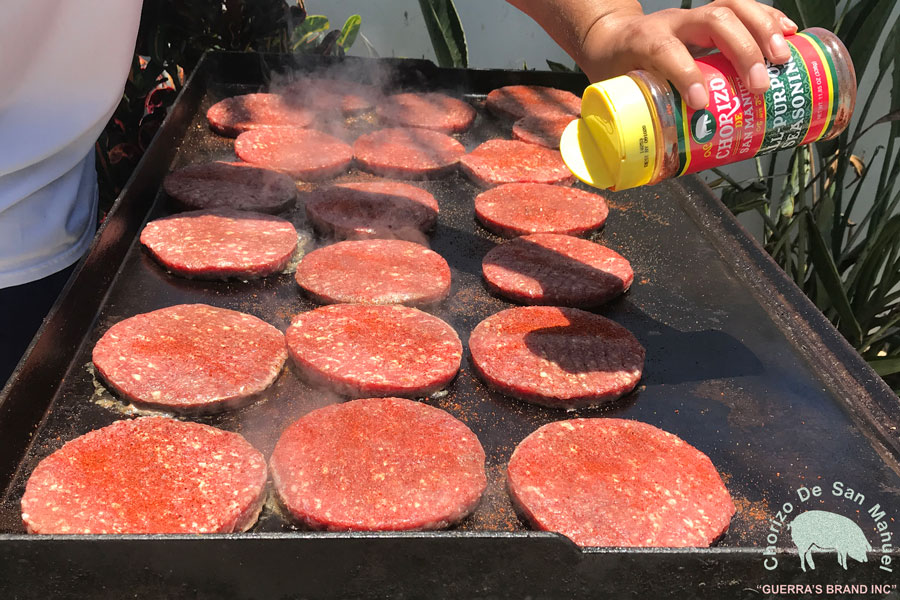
column 474, row 562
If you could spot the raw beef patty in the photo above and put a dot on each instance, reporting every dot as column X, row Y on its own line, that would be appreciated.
column 374, row 272
column 372, row 209
column 496, row 162
column 521, row 208
column 302, row 153
column 517, row 101
column 379, row 464
column 233, row 116
column 221, row 243
column 615, row 482
column 556, row 357
column 408, row 153
column 543, row 130
column 330, row 95
column 361, row 350
column 149, row 475
column 190, row 358
column 554, row 269
column 429, row 110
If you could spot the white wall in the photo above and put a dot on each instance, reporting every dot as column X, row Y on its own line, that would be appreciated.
column 498, row 35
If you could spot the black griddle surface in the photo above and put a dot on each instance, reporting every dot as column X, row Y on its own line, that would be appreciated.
column 721, row 372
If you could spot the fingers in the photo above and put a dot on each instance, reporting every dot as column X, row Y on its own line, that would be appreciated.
column 719, row 26
column 789, row 27
column 746, row 32
column 616, row 46
column 671, row 59
column 768, row 27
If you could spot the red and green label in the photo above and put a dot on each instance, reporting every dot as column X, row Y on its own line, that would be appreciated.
column 798, row 108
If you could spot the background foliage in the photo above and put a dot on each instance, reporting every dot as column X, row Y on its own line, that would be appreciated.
column 841, row 250
column 446, row 32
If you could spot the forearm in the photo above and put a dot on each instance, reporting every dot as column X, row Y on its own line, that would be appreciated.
column 569, row 21
column 611, row 37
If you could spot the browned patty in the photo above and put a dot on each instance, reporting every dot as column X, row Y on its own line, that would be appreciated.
column 235, row 185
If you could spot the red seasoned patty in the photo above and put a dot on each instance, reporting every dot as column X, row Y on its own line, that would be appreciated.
column 522, row 208
column 408, row 153
column 374, row 272
column 517, row 101
column 554, row 269
column 372, row 209
column 190, row 358
column 230, row 185
column 556, row 357
column 233, row 116
column 328, row 95
column 615, row 482
column 379, row 464
column 543, row 130
column 149, row 475
column 361, row 350
column 430, row 110
column 221, row 243
column 302, row 153
column 496, row 162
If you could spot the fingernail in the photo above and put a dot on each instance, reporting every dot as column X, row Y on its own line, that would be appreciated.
column 779, row 47
column 788, row 24
column 697, row 97
column 759, row 78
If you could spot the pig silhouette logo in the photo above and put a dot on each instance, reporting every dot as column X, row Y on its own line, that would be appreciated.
column 828, row 531
column 703, row 126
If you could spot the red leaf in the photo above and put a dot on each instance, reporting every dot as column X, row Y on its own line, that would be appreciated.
column 124, row 151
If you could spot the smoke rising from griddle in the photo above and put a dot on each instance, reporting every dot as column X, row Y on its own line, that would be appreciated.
column 342, row 94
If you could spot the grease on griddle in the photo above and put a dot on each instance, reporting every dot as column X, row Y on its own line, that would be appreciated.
column 103, row 397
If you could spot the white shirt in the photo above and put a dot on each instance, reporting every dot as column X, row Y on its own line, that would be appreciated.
column 63, row 65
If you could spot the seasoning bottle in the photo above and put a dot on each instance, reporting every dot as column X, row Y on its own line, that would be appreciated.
column 636, row 129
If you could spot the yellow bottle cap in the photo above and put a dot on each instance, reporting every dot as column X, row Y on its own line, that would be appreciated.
column 613, row 144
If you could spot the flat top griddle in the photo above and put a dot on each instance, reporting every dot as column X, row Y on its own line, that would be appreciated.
column 738, row 363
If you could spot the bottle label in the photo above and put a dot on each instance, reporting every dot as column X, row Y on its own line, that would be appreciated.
column 798, row 108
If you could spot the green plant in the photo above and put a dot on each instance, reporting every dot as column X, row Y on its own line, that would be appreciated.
column 171, row 39
column 446, row 32
column 848, row 265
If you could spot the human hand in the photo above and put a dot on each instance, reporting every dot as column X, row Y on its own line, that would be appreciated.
column 625, row 39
